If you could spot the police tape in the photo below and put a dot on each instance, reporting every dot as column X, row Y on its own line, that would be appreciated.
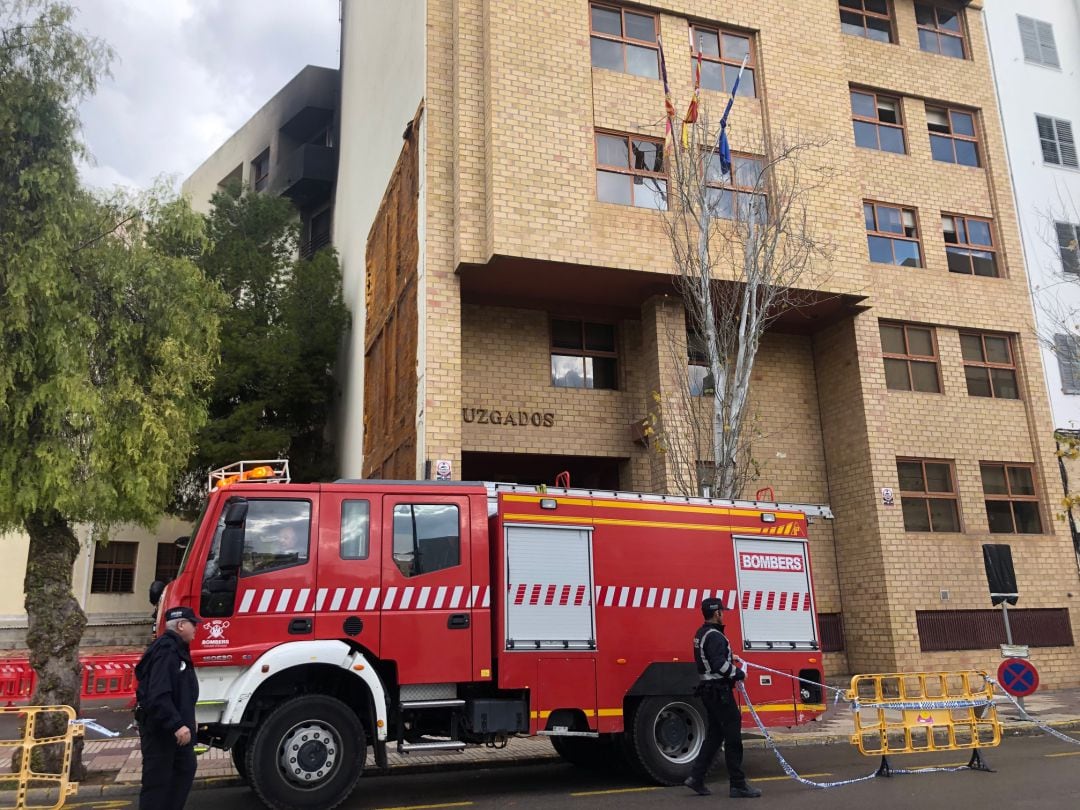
column 93, row 725
column 926, row 705
column 839, row 692
column 1040, row 724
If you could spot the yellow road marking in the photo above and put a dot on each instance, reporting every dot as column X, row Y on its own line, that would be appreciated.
column 104, row 804
column 1064, row 754
column 613, row 792
column 429, row 806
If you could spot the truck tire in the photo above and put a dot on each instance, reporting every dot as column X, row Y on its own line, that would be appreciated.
column 309, row 752
column 664, row 736
column 239, row 758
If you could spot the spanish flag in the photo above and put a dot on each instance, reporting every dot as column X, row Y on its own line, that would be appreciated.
column 669, row 106
column 692, row 110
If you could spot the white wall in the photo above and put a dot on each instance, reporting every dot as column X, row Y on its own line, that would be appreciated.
column 1024, row 90
column 383, row 63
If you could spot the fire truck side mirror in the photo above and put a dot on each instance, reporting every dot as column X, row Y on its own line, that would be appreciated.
column 157, row 587
column 231, row 553
column 182, row 542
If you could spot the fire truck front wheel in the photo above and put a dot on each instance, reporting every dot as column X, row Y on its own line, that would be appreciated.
column 665, row 734
column 307, row 753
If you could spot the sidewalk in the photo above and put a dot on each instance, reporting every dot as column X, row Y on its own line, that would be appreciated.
column 114, row 766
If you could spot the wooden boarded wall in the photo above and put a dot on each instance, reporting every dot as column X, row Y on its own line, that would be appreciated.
column 391, row 329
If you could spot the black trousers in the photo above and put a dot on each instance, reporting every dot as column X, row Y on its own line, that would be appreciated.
column 168, row 770
column 725, row 727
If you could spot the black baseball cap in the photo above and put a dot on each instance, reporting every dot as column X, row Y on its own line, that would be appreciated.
column 710, row 606
column 181, row 613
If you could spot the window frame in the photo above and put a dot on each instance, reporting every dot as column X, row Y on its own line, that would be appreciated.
column 114, row 570
column 917, row 239
column 735, row 188
column 889, row 16
column 1058, row 141
column 953, row 136
column 1037, row 28
column 1069, row 266
column 260, row 181
column 247, row 567
column 720, row 31
column 990, row 365
column 877, row 122
column 944, row 32
column 1010, row 498
column 366, row 540
column 161, row 569
column 623, row 39
column 584, row 352
column 992, row 248
column 909, row 358
column 629, row 168
column 926, row 495
column 1067, row 352
column 412, row 505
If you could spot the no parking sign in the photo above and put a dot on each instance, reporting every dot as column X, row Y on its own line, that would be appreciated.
column 1018, row 677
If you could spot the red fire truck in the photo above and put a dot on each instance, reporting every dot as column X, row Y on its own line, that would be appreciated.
column 436, row 615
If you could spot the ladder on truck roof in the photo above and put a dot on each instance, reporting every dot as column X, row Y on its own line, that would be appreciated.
column 264, row 471
column 810, row 510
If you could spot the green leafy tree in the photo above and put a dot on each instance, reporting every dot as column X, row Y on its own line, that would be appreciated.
column 108, row 336
column 280, row 334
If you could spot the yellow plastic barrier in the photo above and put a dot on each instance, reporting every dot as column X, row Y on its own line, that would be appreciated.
column 59, row 784
column 909, row 713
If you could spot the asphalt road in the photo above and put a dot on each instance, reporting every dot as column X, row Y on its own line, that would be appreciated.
column 1032, row 772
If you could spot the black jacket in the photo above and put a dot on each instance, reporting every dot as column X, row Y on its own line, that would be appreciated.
column 712, row 654
column 168, row 687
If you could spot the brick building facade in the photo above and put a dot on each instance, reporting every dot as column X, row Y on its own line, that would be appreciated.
column 495, row 193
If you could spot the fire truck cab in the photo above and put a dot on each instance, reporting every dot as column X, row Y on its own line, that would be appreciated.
column 338, row 618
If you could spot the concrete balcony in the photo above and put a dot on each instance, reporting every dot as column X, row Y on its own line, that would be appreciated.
column 306, row 175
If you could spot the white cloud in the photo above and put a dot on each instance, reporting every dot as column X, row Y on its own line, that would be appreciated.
column 188, row 74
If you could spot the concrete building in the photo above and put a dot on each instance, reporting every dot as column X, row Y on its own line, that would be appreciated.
column 288, row 148
column 490, row 268
column 1035, row 47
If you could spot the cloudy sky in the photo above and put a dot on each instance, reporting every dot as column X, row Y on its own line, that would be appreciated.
column 188, row 73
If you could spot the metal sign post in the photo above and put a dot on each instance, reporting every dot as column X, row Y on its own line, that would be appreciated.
column 1008, row 629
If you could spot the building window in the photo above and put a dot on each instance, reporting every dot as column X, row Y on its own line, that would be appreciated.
column 427, row 538
column 624, row 40
column 697, row 359
column 355, row 524
column 114, row 568
column 1037, row 40
column 892, row 235
column 911, row 361
column 877, row 121
column 167, row 565
column 1012, row 507
column 1068, row 237
column 928, row 495
column 989, row 365
column 734, row 192
column 722, row 53
column 867, row 18
column 940, row 30
column 952, row 136
column 630, row 171
column 260, row 171
column 1067, row 351
column 277, row 534
column 969, row 245
column 1056, row 139
column 583, row 355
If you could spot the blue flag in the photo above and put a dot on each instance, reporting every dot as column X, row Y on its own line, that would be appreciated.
column 723, row 148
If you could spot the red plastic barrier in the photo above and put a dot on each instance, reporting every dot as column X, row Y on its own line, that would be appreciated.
column 108, row 678
column 104, row 677
column 17, row 681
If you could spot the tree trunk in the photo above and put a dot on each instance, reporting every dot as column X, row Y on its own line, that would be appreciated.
column 55, row 629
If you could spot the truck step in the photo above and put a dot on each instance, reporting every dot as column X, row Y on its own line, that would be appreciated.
column 558, row 733
column 449, row 745
column 431, row 704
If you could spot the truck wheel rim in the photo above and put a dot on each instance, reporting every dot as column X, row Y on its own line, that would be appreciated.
column 309, row 753
column 678, row 732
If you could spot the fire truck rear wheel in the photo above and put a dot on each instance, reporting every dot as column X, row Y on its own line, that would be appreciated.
column 307, row 753
column 665, row 734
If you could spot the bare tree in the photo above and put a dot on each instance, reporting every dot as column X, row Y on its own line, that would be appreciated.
column 745, row 250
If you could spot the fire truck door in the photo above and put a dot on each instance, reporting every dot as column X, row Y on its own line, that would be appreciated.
column 427, row 588
column 273, row 600
column 347, row 598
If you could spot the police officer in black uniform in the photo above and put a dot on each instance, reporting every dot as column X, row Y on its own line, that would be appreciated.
column 165, row 713
column 718, row 675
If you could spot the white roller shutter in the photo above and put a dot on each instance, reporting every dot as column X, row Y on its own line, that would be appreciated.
column 549, row 600
column 775, row 600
